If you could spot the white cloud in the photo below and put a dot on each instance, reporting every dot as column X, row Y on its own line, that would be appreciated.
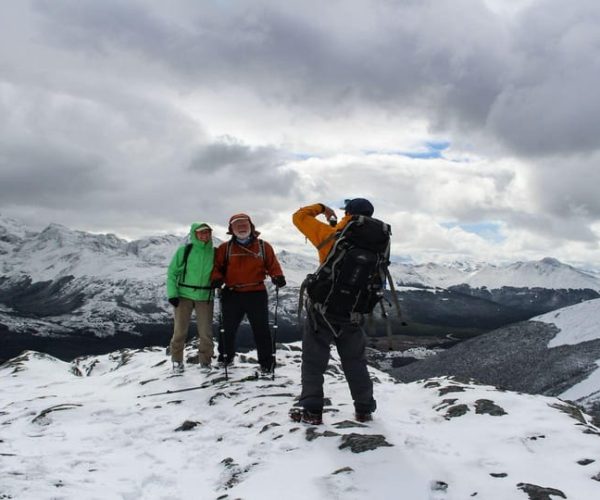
column 139, row 117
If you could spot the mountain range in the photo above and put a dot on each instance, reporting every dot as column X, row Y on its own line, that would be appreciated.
column 78, row 292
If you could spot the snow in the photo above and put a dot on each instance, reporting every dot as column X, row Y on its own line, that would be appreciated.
column 545, row 273
column 586, row 390
column 112, row 435
column 577, row 324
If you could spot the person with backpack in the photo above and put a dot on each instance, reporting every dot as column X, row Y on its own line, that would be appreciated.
column 188, row 289
column 349, row 282
column 241, row 266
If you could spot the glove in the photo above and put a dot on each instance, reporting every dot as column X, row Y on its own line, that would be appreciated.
column 174, row 301
column 278, row 281
column 216, row 283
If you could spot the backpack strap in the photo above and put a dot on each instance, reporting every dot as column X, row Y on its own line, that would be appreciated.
column 261, row 254
column 186, row 255
column 326, row 240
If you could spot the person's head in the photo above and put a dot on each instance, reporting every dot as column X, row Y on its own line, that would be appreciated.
column 200, row 231
column 358, row 206
column 203, row 233
column 240, row 225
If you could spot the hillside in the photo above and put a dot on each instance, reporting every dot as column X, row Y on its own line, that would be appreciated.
column 555, row 354
column 123, row 426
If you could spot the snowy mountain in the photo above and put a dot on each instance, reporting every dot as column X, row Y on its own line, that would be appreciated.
column 123, row 426
column 76, row 287
column 556, row 354
column 545, row 273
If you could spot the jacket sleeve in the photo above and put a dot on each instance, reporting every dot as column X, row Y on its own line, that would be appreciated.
column 305, row 219
column 218, row 270
column 272, row 265
column 173, row 273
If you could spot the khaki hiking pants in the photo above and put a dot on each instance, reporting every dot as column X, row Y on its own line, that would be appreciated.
column 183, row 314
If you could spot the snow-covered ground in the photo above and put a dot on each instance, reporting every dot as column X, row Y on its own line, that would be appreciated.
column 106, row 427
column 577, row 324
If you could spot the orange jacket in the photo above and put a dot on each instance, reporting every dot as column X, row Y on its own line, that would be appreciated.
column 305, row 219
column 246, row 268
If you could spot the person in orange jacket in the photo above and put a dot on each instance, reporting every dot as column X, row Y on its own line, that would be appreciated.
column 349, row 338
column 241, row 266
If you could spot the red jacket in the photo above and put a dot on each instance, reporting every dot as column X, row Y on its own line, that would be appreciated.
column 245, row 269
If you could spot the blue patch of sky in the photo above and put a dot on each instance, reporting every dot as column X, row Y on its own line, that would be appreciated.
column 488, row 230
column 430, row 150
column 304, row 156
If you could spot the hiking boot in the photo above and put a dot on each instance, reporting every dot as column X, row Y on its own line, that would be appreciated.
column 178, row 367
column 205, row 367
column 363, row 416
column 305, row 416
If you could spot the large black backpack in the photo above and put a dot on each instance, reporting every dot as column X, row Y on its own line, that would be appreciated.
column 351, row 280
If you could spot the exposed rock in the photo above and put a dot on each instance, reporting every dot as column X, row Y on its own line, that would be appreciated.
column 488, row 407
column 312, row 434
column 342, row 470
column 359, row 443
column 439, row 486
column 41, row 417
column 539, row 492
column 585, row 461
column 456, row 411
column 269, row 426
column 451, row 388
column 345, row 424
column 188, row 425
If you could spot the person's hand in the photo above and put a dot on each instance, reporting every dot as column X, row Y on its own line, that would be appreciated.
column 174, row 301
column 328, row 212
column 330, row 215
column 279, row 281
column 216, row 283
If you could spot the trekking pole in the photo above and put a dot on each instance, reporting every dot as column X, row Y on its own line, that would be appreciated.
column 275, row 327
column 219, row 294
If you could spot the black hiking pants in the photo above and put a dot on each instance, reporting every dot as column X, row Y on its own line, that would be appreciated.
column 254, row 305
column 351, row 343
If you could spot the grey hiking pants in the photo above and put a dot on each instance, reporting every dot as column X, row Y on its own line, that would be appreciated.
column 351, row 344
column 182, row 314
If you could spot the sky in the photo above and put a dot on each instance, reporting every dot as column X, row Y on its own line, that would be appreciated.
column 472, row 125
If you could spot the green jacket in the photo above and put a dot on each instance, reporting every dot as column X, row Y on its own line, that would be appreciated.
column 197, row 274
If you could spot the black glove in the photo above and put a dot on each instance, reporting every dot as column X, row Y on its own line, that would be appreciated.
column 174, row 301
column 216, row 283
column 278, row 281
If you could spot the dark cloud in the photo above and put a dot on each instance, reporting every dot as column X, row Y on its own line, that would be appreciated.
column 230, row 153
column 49, row 177
column 568, row 188
column 528, row 82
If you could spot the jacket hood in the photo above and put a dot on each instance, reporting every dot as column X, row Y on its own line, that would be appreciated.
column 194, row 227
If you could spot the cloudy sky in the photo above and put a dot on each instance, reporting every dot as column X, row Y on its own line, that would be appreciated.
column 472, row 125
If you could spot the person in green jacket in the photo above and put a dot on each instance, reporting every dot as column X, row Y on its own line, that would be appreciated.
column 188, row 289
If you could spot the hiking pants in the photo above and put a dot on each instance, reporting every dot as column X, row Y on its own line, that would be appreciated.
column 254, row 305
column 351, row 345
column 183, row 313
